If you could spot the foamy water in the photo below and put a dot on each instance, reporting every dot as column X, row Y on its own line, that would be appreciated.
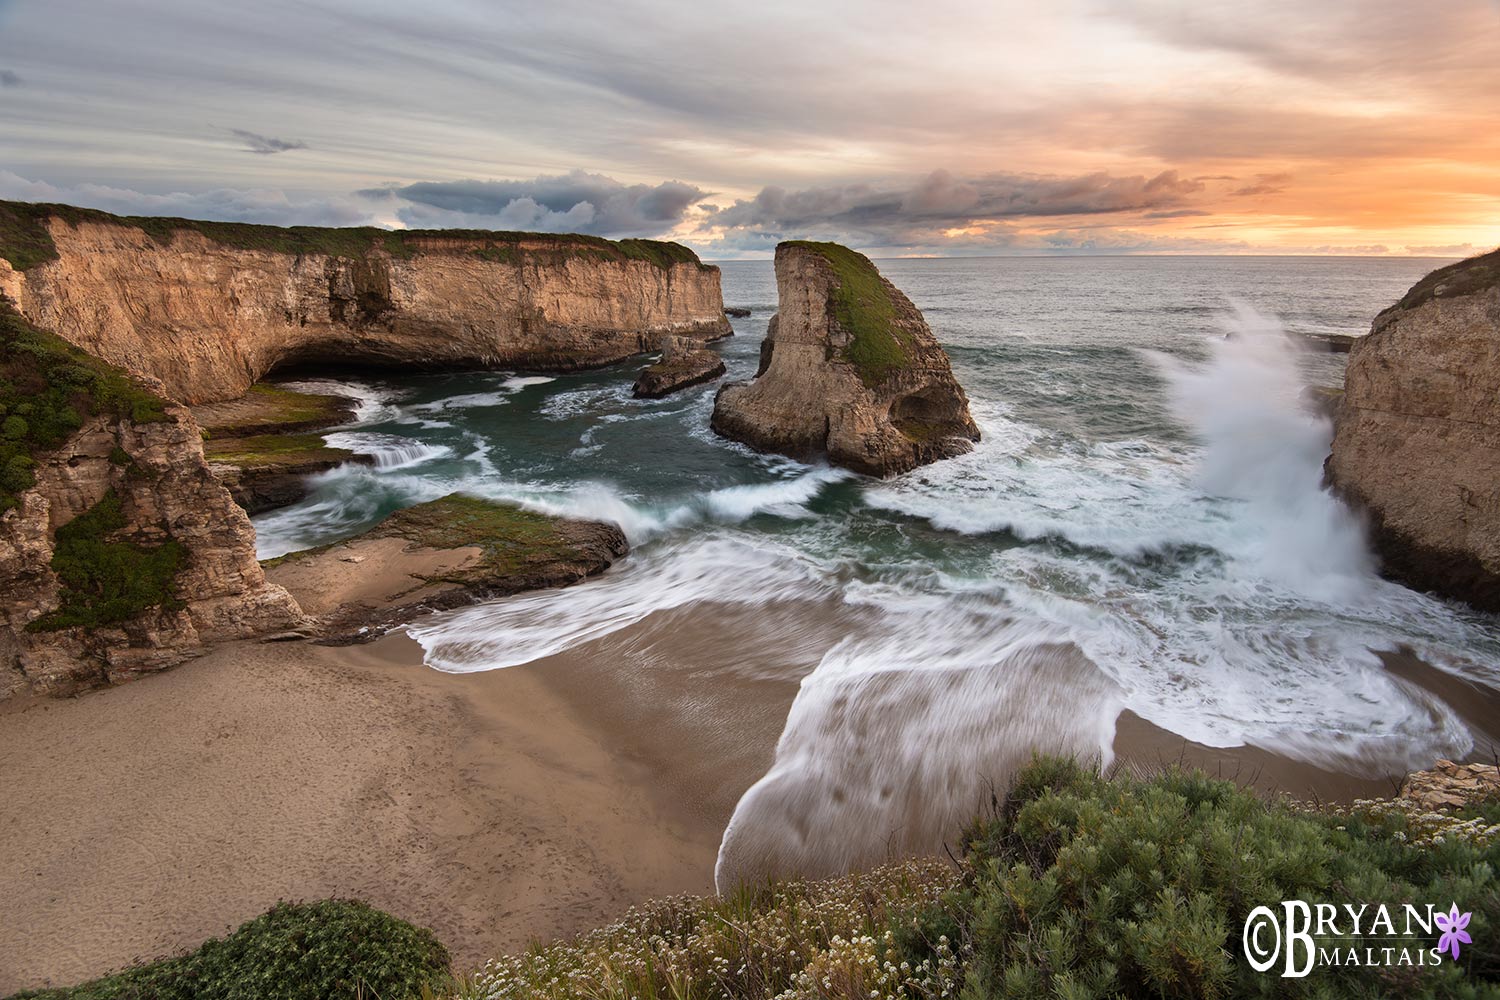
column 1142, row 527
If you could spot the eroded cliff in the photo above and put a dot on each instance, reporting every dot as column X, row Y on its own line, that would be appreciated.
column 208, row 308
column 120, row 553
column 849, row 371
column 1417, row 433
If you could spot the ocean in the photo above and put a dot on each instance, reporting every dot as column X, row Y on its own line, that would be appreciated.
column 1141, row 528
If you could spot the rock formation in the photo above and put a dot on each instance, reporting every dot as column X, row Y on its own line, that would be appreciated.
column 120, row 553
column 1417, row 435
column 208, row 308
column 849, row 370
column 684, row 362
column 440, row 555
column 260, row 448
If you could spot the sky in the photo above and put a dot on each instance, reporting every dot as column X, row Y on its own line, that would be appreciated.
column 940, row 127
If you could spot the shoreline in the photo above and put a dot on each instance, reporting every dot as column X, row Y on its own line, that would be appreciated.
column 496, row 807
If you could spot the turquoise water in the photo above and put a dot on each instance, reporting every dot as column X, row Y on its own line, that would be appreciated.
column 1141, row 528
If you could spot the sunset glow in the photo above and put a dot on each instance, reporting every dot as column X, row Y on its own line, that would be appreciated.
column 950, row 128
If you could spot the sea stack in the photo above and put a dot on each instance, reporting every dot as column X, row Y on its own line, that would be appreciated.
column 849, row 371
column 1417, row 438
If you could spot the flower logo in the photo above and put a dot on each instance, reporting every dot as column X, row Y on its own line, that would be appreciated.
column 1452, row 925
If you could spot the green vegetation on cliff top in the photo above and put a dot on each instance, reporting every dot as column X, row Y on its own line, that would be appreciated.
column 862, row 304
column 1462, row 278
column 329, row 950
column 26, row 242
column 48, row 388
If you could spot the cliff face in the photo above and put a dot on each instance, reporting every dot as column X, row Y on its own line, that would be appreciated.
column 120, row 553
column 1417, row 438
column 210, row 308
column 849, row 370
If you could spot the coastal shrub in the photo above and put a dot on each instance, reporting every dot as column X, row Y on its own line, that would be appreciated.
column 327, row 950
column 1086, row 887
column 108, row 580
column 862, row 305
column 47, row 388
column 845, row 937
column 1074, row 886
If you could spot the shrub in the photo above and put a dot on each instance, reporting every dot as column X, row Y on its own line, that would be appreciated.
column 108, row 580
column 1087, row 887
column 328, row 950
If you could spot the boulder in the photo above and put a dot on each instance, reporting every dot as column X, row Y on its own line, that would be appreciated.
column 849, row 371
column 684, row 362
column 1417, row 434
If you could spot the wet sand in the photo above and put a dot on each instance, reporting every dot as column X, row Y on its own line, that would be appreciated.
column 495, row 807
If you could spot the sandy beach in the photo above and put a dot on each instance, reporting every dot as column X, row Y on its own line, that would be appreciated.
column 161, row 813
column 496, row 808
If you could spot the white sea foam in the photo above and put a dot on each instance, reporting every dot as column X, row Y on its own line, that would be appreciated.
column 390, row 451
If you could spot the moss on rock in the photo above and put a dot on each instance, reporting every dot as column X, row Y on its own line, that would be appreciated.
column 107, row 579
column 862, row 304
column 1462, row 278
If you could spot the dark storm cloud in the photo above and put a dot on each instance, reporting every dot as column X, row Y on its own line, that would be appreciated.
column 573, row 202
column 896, row 212
column 265, row 145
column 9, row 78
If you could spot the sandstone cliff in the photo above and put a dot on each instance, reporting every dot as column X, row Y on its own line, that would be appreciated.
column 1417, row 434
column 208, row 308
column 849, row 370
column 120, row 553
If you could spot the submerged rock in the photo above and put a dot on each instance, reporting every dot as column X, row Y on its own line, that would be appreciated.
column 849, row 371
column 1417, row 434
column 440, row 555
column 738, row 312
column 683, row 363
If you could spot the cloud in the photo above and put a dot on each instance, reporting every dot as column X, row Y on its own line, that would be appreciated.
column 9, row 78
column 265, row 145
column 945, row 209
column 1264, row 184
column 267, row 206
column 1446, row 250
column 573, row 202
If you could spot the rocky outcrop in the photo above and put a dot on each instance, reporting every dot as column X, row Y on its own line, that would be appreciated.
column 849, row 371
column 441, row 555
column 154, row 475
column 209, row 308
column 1417, row 435
column 683, row 363
column 258, row 447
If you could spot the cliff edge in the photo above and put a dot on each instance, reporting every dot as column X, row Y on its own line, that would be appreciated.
column 849, row 370
column 1417, row 434
column 208, row 308
column 120, row 553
